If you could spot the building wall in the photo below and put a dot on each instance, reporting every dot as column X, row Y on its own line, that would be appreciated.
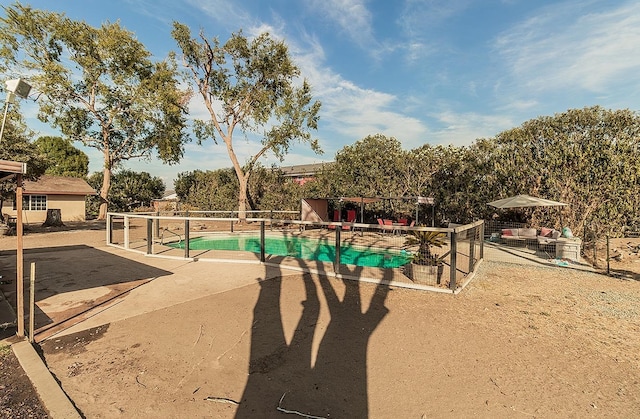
column 314, row 210
column 72, row 208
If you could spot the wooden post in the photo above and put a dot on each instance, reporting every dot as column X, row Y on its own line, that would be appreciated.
column 32, row 302
column 20, row 258
column 452, row 267
column 149, row 236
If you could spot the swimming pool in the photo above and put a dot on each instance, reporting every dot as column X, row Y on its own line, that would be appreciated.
column 303, row 248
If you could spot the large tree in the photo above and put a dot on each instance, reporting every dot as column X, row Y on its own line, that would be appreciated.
column 16, row 146
column 251, row 85
column 62, row 157
column 99, row 86
column 131, row 190
column 587, row 158
column 215, row 190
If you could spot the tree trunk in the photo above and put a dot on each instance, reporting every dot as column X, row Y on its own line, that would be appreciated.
column 104, row 194
column 54, row 218
column 242, row 198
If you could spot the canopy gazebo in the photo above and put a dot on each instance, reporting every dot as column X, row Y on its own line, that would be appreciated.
column 524, row 201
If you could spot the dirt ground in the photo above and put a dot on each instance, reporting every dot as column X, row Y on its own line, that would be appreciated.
column 624, row 257
column 517, row 342
column 18, row 398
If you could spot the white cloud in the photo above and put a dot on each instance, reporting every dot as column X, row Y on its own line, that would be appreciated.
column 462, row 129
column 227, row 12
column 561, row 48
column 352, row 16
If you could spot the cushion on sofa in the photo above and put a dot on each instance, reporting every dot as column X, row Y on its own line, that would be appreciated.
column 507, row 232
column 528, row 233
column 555, row 234
column 546, row 232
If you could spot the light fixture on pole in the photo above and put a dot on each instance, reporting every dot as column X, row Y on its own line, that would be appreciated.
column 16, row 87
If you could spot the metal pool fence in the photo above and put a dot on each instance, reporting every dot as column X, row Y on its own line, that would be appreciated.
column 366, row 252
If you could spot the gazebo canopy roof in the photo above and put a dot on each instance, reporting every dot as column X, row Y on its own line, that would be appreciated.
column 523, row 201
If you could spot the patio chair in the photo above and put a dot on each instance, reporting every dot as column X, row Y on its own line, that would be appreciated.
column 351, row 218
column 386, row 225
column 336, row 217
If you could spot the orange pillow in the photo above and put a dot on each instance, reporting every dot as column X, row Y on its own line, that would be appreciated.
column 506, row 232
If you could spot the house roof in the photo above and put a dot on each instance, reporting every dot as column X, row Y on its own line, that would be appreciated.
column 303, row 169
column 168, row 196
column 58, row 185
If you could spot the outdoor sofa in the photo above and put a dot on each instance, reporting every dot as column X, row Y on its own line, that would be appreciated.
column 546, row 236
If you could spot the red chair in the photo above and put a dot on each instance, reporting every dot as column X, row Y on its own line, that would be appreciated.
column 402, row 221
column 386, row 225
column 351, row 218
column 336, row 217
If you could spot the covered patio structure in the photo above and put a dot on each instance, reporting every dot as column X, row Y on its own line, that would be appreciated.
column 317, row 209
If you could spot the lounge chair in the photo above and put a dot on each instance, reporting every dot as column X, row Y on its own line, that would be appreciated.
column 385, row 225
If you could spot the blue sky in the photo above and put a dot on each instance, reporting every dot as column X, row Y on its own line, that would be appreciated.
column 422, row 71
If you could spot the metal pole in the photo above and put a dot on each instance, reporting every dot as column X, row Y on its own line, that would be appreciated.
column 186, row 238
column 6, row 109
column 126, row 232
column 157, row 223
column 109, row 228
column 608, row 265
column 482, row 240
column 262, row 246
column 336, row 262
column 472, row 248
column 32, row 302
column 454, row 254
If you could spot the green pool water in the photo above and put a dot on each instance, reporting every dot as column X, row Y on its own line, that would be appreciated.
column 302, row 248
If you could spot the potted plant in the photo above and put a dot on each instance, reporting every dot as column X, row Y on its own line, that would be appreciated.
column 424, row 265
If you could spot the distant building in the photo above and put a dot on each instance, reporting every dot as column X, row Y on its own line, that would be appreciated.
column 302, row 173
column 168, row 202
column 68, row 194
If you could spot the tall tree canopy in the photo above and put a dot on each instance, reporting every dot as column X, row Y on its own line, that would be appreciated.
column 250, row 85
column 98, row 86
column 16, row 146
column 63, row 159
column 588, row 158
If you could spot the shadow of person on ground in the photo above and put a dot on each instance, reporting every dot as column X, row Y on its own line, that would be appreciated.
column 291, row 377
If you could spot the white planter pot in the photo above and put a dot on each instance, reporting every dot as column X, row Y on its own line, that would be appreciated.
column 423, row 274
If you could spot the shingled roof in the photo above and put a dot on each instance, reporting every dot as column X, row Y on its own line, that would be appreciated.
column 58, row 185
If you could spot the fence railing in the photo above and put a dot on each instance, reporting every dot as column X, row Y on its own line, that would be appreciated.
column 368, row 252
